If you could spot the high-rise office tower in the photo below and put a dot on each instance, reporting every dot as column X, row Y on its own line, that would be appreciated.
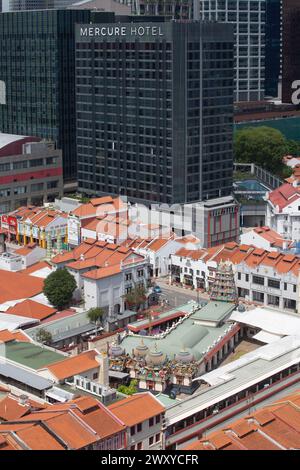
column 273, row 47
column 37, row 74
column 20, row 5
column 248, row 17
column 155, row 110
column 290, row 47
column 118, row 6
column 173, row 9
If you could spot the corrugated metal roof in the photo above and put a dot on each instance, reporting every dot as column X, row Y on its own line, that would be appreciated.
column 24, row 376
column 238, row 375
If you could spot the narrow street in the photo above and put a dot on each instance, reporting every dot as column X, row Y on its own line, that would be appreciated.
column 177, row 296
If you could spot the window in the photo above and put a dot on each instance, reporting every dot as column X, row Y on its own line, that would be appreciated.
column 247, row 277
column 258, row 296
column 285, row 286
column 50, row 160
column 157, row 419
column 36, row 162
column 151, row 440
column 128, row 277
column 157, row 437
column 289, row 303
column 5, row 192
column 52, row 184
column 37, row 187
column 139, row 427
column 132, row 430
column 274, row 283
column 95, row 376
column 140, row 273
column 273, row 300
column 294, row 288
column 20, row 165
column 151, row 421
column 20, row 190
column 4, row 167
column 258, row 280
column 140, row 446
column 239, row 276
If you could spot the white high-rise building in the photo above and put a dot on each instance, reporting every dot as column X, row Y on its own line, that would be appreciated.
column 249, row 19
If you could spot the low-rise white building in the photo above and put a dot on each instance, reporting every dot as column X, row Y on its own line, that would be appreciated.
column 105, row 273
column 84, row 219
column 106, row 287
column 283, row 211
column 30, row 254
column 262, row 277
column 10, row 262
column 266, row 238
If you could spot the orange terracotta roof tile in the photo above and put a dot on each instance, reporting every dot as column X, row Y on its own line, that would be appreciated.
column 74, row 365
column 36, row 267
column 101, row 200
column 92, row 208
column 25, row 250
column 8, row 442
column 284, row 195
column 17, row 285
column 157, row 244
column 188, row 239
column 273, row 427
column 37, row 438
column 101, row 273
column 33, row 435
column 136, row 408
column 71, row 431
column 17, row 335
column 31, row 309
column 77, row 423
column 274, row 238
column 12, row 409
column 73, row 254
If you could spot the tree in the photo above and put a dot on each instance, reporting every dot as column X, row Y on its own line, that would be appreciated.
column 59, row 287
column 292, row 148
column 95, row 315
column 137, row 296
column 263, row 145
column 43, row 336
column 128, row 389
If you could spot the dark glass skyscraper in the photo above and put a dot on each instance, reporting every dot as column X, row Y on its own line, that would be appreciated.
column 155, row 110
column 37, row 64
column 290, row 48
column 273, row 47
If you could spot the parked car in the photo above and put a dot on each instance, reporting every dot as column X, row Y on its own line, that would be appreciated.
column 157, row 290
